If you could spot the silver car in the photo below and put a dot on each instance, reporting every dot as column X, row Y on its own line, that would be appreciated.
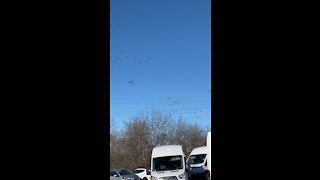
column 123, row 174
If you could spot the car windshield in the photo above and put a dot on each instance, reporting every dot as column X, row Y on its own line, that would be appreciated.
column 167, row 163
column 124, row 172
column 196, row 159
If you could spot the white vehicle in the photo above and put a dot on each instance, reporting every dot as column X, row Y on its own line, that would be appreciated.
column 168, row 162
column 143, row 173
column 197, row 163
column 123, row 173
column 209, row 155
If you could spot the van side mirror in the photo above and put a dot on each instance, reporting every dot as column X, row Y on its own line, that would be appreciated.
column 148, row 171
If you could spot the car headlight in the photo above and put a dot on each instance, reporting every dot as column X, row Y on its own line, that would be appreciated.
column 182, row 176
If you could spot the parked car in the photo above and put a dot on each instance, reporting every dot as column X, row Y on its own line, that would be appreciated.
column 114, row 176
column 143, row 173
column 123, row 174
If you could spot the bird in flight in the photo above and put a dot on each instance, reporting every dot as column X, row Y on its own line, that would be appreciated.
column 132, row 83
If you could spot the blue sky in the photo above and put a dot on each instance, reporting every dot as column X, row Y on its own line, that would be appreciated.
column 160, row 59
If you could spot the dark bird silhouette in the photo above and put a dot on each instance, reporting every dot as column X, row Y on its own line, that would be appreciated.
column 132, row 83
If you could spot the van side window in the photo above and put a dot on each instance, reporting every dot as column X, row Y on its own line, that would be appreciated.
column 205, row 163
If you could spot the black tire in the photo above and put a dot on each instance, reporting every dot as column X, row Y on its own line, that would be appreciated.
column 206, row 175
column 144, row 178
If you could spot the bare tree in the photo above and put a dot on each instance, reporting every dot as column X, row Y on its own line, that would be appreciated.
column 117, row 151
column 189, row 135
column 131, row 147
column 112, row 125
column 136, row 134
column 161, row 128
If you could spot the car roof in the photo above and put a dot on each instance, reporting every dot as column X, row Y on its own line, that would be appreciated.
column 118, row 169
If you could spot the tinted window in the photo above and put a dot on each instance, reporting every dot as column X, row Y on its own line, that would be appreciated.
column 167, row 163
column 124, row 172
column 196, row 159
column 112, row 173
column 139, row 171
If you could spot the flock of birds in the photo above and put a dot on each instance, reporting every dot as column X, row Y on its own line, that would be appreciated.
column 124, row 58
column 175, row 100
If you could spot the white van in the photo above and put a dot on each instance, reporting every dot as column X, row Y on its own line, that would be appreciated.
column 197, row 163
column 209, row 155
column 168, row 162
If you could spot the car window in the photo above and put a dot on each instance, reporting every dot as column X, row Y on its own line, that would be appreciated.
column 124, row 172
column 113, row 173
column 138, row 170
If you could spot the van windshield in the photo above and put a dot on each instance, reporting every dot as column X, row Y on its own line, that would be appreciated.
column 196, row 159
column 167, row 163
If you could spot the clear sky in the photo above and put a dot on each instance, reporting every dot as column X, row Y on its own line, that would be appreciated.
column 160, row 59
